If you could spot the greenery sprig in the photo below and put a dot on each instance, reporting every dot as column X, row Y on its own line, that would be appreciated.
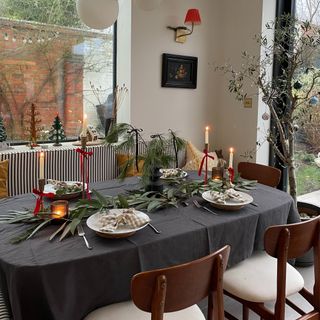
column 139, row 199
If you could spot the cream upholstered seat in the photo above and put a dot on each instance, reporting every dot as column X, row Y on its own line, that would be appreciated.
column 172, row 293
column 267, row 276
column 255, row 279
column 128, row 311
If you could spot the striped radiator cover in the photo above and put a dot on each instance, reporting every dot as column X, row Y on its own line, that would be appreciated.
column 61, row 163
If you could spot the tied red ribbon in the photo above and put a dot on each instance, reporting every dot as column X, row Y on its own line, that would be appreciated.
column 231, row 173
column 40, row 199
column 85, row 154
column 205, row 157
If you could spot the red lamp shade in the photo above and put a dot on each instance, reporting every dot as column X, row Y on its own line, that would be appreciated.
column 192, row 17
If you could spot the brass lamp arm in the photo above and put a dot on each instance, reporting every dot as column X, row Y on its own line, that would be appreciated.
column 182, row 28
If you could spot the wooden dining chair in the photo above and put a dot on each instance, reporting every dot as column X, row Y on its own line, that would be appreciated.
column 266, row 276
column 267, row 175
column 172, row 293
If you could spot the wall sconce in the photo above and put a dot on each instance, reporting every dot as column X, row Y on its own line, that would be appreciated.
column 181, row 32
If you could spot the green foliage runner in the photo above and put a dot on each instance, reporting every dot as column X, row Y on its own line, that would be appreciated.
column 173, row 196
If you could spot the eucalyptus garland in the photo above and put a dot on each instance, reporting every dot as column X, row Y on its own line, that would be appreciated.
column 177, row 192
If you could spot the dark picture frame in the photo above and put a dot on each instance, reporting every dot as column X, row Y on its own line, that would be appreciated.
column 179, row 71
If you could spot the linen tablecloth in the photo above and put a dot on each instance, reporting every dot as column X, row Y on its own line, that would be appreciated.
column 45, row 280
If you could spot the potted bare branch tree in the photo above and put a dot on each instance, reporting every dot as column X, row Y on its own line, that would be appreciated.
column 294, row 49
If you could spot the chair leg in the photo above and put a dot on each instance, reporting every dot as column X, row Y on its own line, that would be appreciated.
column 245, row 312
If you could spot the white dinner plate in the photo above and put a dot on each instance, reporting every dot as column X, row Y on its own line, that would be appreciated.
column 93, row 222
column 50, row 188
column 183, row 174
column 231, row 204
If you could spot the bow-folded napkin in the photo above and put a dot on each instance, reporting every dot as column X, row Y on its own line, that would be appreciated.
column 122, row 217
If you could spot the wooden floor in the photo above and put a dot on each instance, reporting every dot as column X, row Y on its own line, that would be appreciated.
column 235, row 308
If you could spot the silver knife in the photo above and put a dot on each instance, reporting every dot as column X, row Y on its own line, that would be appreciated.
column 82, row 234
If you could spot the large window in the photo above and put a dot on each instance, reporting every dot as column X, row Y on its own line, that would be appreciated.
column 307, row 143
column 49, row 59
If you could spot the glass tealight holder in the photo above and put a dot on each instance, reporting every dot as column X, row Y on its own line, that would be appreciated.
column 59, row 209
column 217, row 173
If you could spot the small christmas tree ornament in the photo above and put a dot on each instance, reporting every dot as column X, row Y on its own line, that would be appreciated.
column 297, row 85
column 34, row 127
column 56, row 133
column 3, row 133
column 3, row 136
column 314, row 101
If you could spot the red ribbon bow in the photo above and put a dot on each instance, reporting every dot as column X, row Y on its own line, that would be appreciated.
column 39, row 199
column 231, row 173
column 85, row 154
column 205, row 157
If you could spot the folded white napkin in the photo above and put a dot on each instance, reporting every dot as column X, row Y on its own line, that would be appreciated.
column 116, row 218
column 230, row 194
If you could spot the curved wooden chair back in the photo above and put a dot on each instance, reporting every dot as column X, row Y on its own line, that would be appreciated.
column 291, row 241
column 267, row 175
column 176, row 288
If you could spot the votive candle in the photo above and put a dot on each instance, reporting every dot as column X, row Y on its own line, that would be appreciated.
column 217, row 173
column 59, row 209
column 231, row 158
column 41, row 165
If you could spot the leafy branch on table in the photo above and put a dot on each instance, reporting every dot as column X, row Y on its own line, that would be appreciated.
column 139, row 199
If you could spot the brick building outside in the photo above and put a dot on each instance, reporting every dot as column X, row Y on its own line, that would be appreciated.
column 51, row 66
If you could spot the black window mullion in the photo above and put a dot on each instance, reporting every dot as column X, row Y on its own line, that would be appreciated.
column 282, row 7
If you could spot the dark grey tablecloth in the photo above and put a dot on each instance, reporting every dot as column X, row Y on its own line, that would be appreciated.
column 63, row 280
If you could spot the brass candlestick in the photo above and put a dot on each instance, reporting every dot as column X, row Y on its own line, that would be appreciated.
column 83, row 142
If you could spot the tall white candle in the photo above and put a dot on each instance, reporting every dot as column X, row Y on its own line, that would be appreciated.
column 231, row 158
column 41, row 165
column 85, row 123
column 206, row 136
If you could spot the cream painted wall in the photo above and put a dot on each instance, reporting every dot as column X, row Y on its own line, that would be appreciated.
column 155, row 108
column 237, row 126
column 227, row 29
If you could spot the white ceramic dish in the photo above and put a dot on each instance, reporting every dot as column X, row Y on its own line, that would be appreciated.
column 183, row 174
column 50, row 188
column 93, row 222
column 231, row 204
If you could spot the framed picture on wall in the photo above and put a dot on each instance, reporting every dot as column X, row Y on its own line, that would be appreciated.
column 179, row 71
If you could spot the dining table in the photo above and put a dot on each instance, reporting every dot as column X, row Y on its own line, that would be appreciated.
column 63, row 280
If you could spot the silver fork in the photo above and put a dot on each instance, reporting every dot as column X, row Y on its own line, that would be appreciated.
column 82, row 234
column 154, row 228
column 198, row 205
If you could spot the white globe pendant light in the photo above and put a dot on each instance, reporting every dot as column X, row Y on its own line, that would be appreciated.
column 98, row 14
column 148, row 5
